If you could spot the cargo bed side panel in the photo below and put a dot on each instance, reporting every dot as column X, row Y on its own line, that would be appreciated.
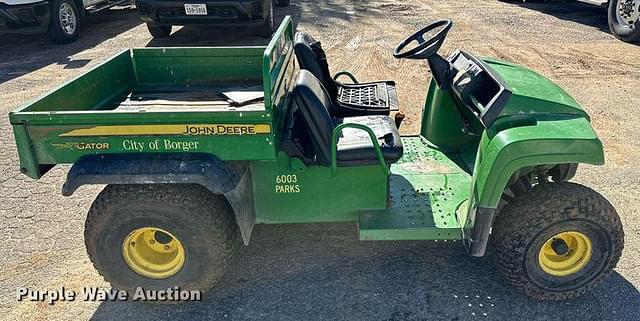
column 193, row 66
column 89, row 91
column 227, row 140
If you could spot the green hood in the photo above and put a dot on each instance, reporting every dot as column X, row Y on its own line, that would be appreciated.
column 533, row 93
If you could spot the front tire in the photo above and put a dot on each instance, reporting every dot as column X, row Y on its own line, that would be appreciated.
column 159, row 31
column 64, row 24
column 160, row 236
column 557, row 241
column 624, row 19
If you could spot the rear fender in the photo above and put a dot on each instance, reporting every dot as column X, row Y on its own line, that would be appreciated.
column 503, row 154
column 233, row 180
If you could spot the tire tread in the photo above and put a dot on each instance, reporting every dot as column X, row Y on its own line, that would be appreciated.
column 195, row 199
column 544, row 205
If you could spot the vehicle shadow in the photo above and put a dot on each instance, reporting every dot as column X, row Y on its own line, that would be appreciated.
column 30, row 53
column 574, row 11
column 194, row 36
column 322, row 272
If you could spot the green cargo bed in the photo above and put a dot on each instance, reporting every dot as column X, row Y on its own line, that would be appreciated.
column 162, row 100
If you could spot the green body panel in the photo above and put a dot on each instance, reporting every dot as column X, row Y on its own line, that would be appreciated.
column 55, row 150
column 561, row 141
column 287, row 192
column 426, row 190
column 28, row 164
column 441, row 122
column 533, row 93
column 441, row 126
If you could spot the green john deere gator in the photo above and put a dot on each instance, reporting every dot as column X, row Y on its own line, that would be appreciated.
column 197, row 145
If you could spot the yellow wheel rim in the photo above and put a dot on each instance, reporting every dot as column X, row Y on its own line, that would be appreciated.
column 153, row 252
column 565, row 253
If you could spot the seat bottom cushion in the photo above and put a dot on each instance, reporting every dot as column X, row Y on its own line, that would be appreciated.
column 355, row 146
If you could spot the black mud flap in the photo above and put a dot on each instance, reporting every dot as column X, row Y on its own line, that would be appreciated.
column 478, row 229
column 241, row 199
column 232, row 179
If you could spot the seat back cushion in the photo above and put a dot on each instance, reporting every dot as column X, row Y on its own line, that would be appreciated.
column 310, row 98
column 312, row 57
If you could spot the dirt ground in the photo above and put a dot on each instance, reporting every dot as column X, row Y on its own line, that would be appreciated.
column 321, row 272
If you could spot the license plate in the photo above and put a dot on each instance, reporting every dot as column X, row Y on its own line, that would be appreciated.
column 195, row 9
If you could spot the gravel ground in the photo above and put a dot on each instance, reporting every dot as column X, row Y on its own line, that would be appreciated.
column 321, row 272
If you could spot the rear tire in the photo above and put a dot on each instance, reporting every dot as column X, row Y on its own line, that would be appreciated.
column 626, row 30
column 202, row 223
column 64, row 24
column 159, row 31
column 552, row 212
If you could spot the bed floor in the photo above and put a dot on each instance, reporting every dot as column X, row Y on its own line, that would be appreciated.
column 199, row 98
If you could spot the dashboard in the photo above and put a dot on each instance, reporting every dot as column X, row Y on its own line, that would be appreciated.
column 478, row 88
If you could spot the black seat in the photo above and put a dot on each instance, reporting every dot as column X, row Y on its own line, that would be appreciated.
column 373, row 98
column 354, row 145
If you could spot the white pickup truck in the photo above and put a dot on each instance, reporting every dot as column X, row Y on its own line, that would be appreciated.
column 61, row 19
column 624, row 17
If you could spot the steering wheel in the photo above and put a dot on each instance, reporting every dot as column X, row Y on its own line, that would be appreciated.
column 426, row 47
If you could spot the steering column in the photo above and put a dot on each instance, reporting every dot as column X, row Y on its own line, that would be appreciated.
column 428, row 49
